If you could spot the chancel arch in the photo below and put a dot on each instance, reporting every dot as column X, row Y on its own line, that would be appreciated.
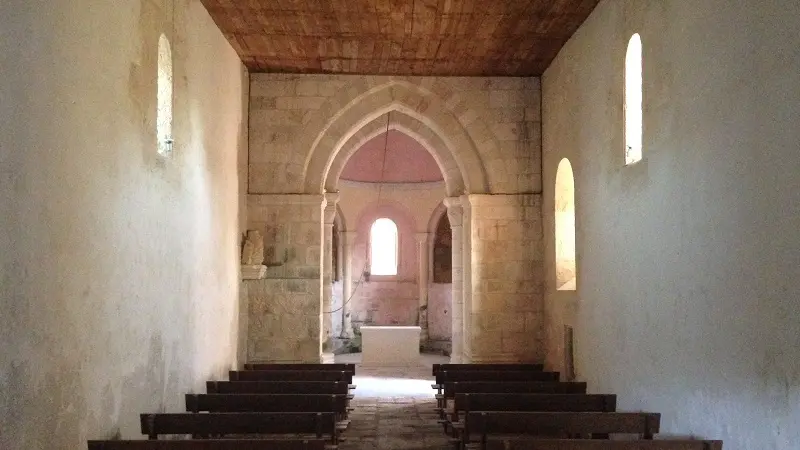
column 430, row 119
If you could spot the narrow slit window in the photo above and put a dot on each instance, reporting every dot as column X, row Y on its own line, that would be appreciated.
column 164, row 98
column 566, row 273
column 633, row 101
column 383, row 247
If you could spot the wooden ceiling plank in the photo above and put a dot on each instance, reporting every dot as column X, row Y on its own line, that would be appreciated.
column 421, row 37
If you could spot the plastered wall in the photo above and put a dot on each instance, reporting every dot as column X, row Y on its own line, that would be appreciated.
column 119, row 269
column 688, row 282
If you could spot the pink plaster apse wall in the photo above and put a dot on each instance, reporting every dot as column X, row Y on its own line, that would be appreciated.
column 406, row 161
column 440, row 322
column 386, row 300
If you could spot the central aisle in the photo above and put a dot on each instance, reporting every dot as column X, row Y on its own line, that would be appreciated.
column 394, row 408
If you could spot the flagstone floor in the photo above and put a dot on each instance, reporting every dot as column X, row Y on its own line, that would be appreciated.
column 394, row 408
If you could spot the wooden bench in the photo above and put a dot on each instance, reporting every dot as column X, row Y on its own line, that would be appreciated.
column 465, row 403
column 277, row 366
column 589, row 444
column 278, row 387
column 319, row 424
column 552, row 424
column 268, row 403
column 212, row 444
column 492, row 375
column 451, row 388
column 496, row 375
column 460, row 367
column 291, row 375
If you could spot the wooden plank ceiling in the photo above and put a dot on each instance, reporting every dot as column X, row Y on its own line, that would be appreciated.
column 399, row 37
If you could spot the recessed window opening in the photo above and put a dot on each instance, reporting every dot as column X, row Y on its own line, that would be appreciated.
column 383, row 247
column 633, row 100
column 443, row 252
column 566, row 274
column 164, row 98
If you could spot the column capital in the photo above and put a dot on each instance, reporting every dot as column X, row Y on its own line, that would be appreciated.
column 422, row 238
column 331, row 199
column 455, row 211
column 452, row 202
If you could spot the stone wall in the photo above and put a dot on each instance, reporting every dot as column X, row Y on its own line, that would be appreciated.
column 485, row 135
column 119, row 267
column 687, row 262
column 440, row 296
column 507, row 268
column 285, row 307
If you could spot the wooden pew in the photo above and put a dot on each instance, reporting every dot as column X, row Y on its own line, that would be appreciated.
column 268, row 403
column 492, row 375
column 552, row 424
column 451, row 388
column 212, row 444
column 290, row 375
column 590, row 444
column 496, row 375
column 219, row 424
column 278, row 387
column 465, row 403
column 471, row 367
column 275, row 366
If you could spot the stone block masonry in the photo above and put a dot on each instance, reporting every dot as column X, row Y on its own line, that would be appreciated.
column 485, row 135
column 285, row 308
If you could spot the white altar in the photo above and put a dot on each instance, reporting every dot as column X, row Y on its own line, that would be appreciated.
column 390, row 346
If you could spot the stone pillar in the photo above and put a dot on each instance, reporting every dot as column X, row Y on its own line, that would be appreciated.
column 327, row 315
column 466, row 278
column 284, row 308
column 349, row 240
column 422, row 315
column 507, row 272
column 455, row 215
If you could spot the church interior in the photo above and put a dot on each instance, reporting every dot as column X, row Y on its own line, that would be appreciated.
column 190, row 186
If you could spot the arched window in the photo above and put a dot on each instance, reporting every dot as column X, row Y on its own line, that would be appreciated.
column 565, row 227
column 164, row 98
column 633, row 101
column 383, row 247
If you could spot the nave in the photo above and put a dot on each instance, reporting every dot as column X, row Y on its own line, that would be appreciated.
column 475, row 406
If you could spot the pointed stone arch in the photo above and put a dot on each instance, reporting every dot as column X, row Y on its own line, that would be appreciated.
column 358, row 110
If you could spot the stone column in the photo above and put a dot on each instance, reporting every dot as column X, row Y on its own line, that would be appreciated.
column 349, row 240
column 466, row 277
column 422, row 317
column 326, row 337
column 455, row 215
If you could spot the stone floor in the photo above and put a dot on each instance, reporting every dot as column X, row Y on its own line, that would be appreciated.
column 394, row 408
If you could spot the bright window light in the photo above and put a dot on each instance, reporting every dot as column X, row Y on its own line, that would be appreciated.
column 633, row 101
column 383, row 247
column 164, row 98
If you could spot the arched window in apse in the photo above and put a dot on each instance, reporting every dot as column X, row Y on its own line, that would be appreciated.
column 164, row 98
column 633, row 101
column 383, row 247
column 565, row 227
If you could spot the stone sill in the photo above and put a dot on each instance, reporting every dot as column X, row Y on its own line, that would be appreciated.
column 254, row 272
